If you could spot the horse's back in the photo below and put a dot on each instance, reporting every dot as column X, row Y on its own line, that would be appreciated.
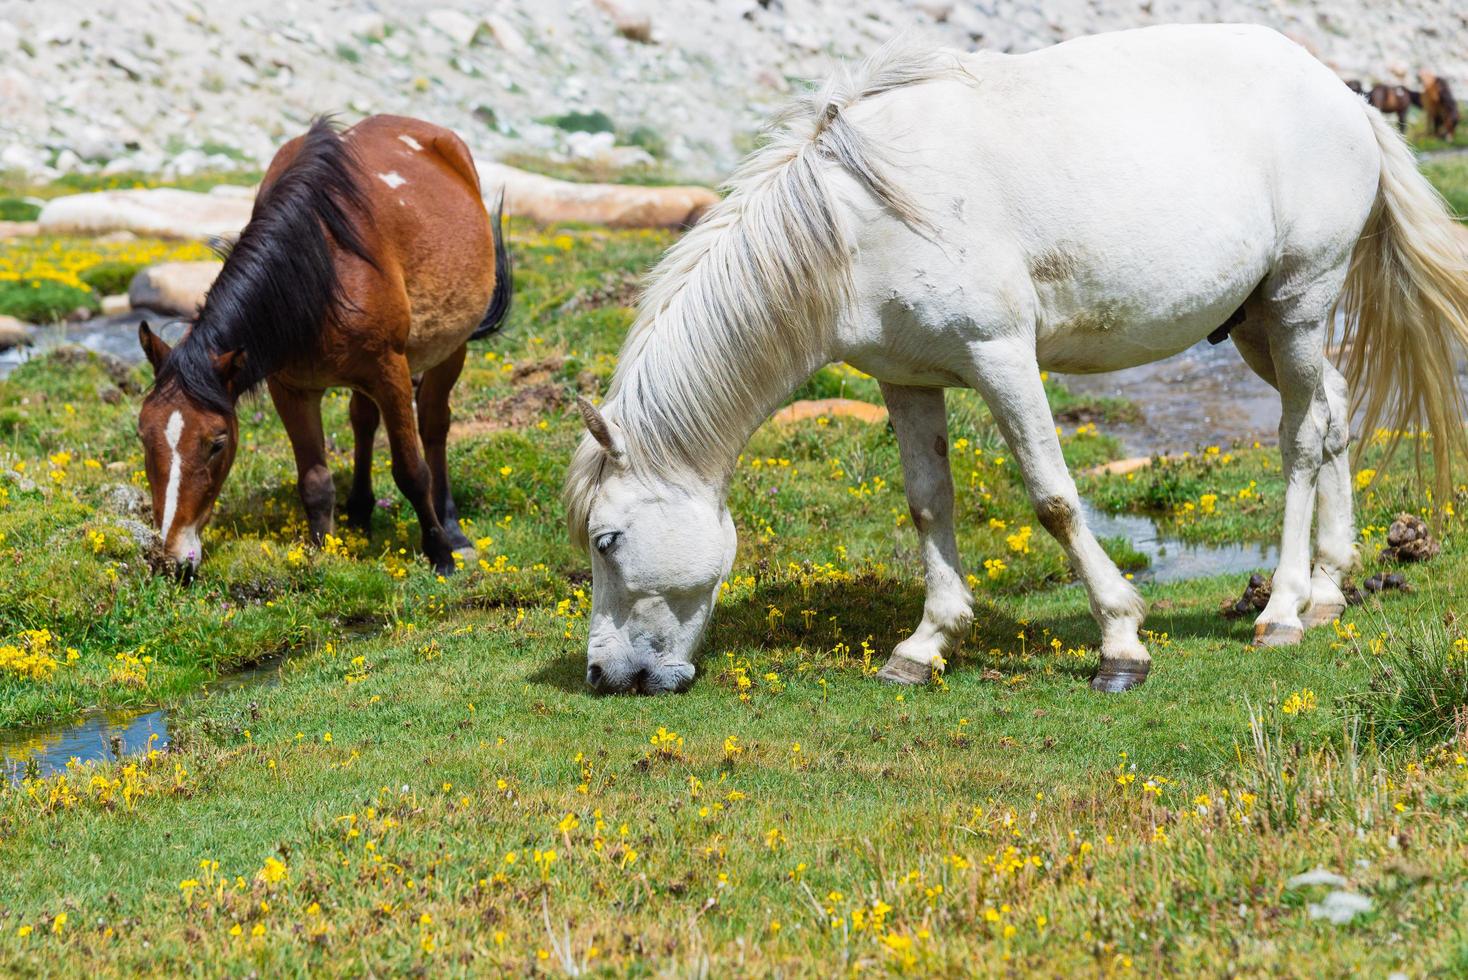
column 1132, row 188
column 431, row 221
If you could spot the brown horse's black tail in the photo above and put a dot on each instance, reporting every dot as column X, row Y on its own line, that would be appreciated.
column 499, row 301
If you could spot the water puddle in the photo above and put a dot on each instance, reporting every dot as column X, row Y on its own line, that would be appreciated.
column 106, row 734
column 1174, row 560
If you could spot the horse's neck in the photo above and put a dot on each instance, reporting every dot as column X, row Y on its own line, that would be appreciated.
column 702, row 388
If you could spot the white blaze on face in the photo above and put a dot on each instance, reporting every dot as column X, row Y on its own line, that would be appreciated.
column 393, row 179
column 412, row 143
column 173, row 432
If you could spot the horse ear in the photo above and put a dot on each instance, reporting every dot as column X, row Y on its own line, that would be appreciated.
column 597, row 425
column 228, row 366
column 153, row 346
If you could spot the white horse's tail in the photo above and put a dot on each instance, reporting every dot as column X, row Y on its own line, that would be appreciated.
column 1406, row 309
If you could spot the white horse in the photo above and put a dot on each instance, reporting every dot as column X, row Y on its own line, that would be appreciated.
column 949, row 219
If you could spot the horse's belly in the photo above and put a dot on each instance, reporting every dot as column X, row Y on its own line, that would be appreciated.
column 1122, row 330
column 1101, row 340
column 438, row 328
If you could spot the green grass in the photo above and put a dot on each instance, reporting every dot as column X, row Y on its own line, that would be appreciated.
column 15, row 209
column 1450, row 176
column 43, row 300
column 17, row 185
column 110, row 278
column 1418, row 136
column 803, row 819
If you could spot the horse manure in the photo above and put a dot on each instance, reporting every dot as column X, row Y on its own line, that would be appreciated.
column 1408, row 539
column 1255, row 598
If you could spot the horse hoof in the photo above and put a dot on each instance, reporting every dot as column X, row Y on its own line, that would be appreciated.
column 1323, row 613
column 1277, row 634
column 1115, row 676
column 901, row 670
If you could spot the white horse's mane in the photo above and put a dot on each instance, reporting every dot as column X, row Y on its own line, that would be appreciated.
column 758, row 282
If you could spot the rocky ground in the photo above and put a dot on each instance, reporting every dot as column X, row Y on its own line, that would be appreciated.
column 177, row 86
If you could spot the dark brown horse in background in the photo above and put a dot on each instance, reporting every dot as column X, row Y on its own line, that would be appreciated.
column 1439, row 106
column 369, row 259
column 1390, row 99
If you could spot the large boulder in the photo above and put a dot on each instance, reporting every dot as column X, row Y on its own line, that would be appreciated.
column 14, row 333
column 167, row 213
column 547, row 200
column 155, row 212
column 173, row 288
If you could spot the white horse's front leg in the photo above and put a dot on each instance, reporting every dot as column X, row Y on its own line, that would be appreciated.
column 1008, row 377
column 921, row 424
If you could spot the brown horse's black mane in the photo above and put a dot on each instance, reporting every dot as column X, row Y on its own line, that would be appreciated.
column 279, row 283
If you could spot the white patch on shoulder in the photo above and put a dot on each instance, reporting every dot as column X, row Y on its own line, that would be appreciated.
column 173, row 432
column 393, row 179
column 412, row 143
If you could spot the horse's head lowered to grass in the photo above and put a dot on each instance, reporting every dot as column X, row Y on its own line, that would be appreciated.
column 660, row 550
column 188, row 448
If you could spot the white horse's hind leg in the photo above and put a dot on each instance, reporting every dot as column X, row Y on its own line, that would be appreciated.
column 921, row 424
column 1297, row 350
column 1335, row 535
column 1335, row 532
column 1009, row 379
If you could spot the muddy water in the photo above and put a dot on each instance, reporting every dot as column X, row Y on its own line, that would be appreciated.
column 102, row 734
column 1205, row 396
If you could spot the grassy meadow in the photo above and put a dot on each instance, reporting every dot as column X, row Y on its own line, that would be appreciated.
column 431, row 788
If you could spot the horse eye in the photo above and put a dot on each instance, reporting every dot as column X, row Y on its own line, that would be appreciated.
column 217, row 446
column 605, row 541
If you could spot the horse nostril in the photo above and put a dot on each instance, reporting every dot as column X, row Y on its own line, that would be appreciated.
column 593, row 676
column 639, row 680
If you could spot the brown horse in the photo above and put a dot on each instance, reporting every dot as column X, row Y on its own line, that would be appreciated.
column 369, row 259
column 1439, row 106
column 1393, row 98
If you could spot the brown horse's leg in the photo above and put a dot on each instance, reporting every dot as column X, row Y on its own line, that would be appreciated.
column 434, row 416
column 361, row 501
column 393, row 392
column 300, row 412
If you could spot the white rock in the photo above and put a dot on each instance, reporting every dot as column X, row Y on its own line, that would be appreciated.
column 157, row 212
column 1340, row 907
column 507, row 37
column 14, row 333
column 1318, row 876
column 115, row 305
column 589, row 146
column 18, row 157
column 457, row 27
column 173, row 288
column 546, row 200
